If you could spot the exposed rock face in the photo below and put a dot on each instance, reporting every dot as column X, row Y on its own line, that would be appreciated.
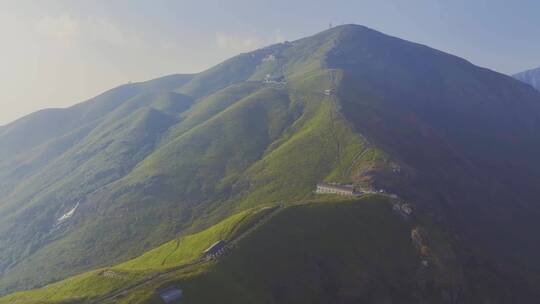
column 403, row 209
column 419, row 241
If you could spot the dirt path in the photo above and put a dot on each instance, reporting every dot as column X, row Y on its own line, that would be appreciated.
column 356, row 159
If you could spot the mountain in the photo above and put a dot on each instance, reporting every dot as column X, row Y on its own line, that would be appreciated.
column 531, row 77
column 102, row 182
column 345, row 251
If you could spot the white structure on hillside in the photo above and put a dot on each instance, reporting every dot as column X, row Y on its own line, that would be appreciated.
column 329, row 92
column 217, row 249
column 269, row 58
column 332, row 188
column 269, row 79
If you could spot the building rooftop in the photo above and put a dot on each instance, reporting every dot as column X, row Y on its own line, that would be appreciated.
column 216, row 246
column 336, row 186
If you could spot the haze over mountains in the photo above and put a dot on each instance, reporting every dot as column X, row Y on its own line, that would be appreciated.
column 113, row 177
column 531, row 77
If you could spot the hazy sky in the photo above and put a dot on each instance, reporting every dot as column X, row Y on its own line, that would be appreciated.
column 57, row 53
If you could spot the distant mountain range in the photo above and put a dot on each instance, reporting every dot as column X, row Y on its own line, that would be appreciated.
column 531, row 77
column 148, row 175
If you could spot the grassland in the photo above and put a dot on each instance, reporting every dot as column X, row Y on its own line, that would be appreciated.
column 157, row 161
column 322, row 252
column 278, row 248
column 91, row 285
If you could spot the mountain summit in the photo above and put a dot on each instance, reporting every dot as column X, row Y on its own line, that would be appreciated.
column 145, row 163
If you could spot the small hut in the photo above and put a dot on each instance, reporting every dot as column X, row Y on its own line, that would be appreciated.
column 215, row 250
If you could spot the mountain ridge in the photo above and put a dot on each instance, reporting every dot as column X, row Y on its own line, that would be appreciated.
column 531, row 77
column 348, row 105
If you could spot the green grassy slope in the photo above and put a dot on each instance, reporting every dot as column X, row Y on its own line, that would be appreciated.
column 326, row 252
column 465, row 137
column 43, row 126
column 219, row 147
column 93, row 284
column 341, row 252
column 105, row 153
column 161, row 159
column 318, row 253
column 105, row 163
column 185, row 165
column 189, row 248
column 214, row 104
column 220, row 150
column 220, row 160
column 320, row 145
column 28, row 146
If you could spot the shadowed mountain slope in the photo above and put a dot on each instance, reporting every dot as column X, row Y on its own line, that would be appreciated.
column 468, row 135
column 350, row 251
